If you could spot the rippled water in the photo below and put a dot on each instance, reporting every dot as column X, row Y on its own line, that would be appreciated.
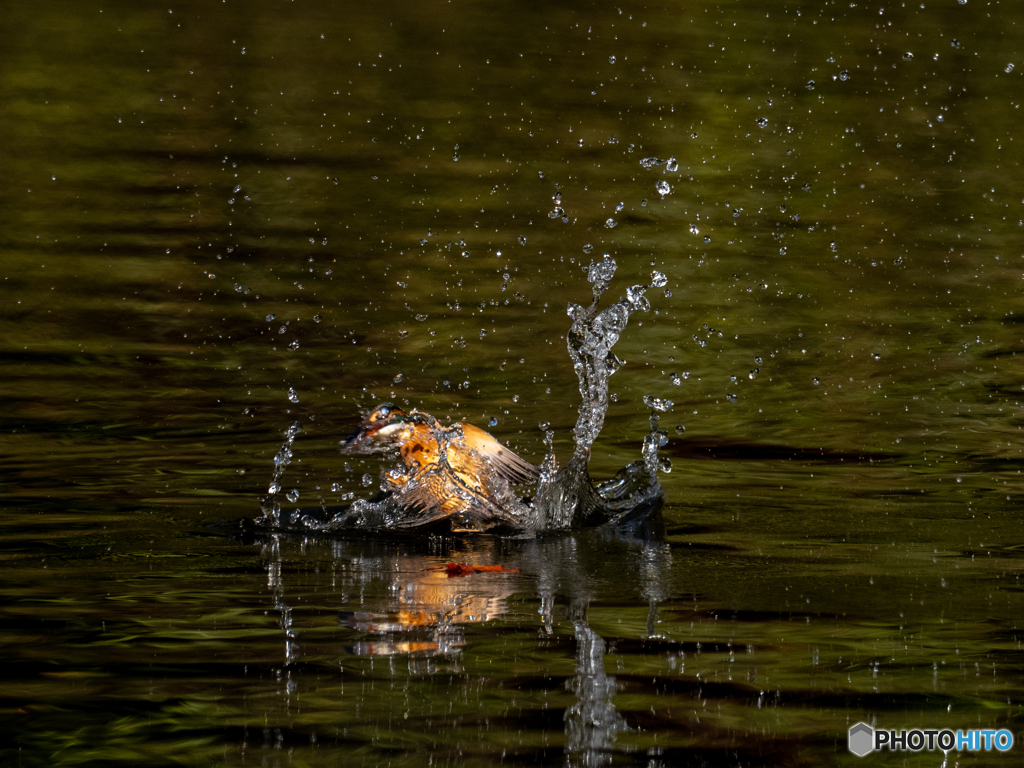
column 225, row 220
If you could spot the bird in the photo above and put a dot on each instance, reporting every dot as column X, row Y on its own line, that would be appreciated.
column 449, row 470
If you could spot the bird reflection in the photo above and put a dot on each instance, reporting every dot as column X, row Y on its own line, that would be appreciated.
column 429, row 611
column 396, row 603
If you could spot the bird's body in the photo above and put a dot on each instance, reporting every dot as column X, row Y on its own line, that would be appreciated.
column 450, row 470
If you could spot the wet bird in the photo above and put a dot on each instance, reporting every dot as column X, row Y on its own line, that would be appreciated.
column 450, row 470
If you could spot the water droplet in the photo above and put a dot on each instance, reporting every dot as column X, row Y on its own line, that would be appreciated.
column 588, row 248
column 611, row 59
column 694, row 230
column 611, row 223
column 421, row 318
column 658, row 279
column 1009, row 68
column 663, row 188
column 293, row 396
column 815, row 381
column 522, row 239
column 876, row 356
column 731, row 397
column 294, row 345
column 317, row 318
column 762, row 122
column 657, row 403
column 619, row 207
column 270, row 318
column 238, row 188
column 336, row 180
column 293, row 495
column 367, row 480
column 754, row 372
column 810, row 85
column 671, row 165
column 675, row 379
column 649, row 162
column 556, row 213
column 493, row 422
column 398, row 378
column 274, row 488
column 844, row 75
column 707, row 238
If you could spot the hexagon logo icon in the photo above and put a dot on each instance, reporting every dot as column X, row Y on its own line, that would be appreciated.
column 861, row 739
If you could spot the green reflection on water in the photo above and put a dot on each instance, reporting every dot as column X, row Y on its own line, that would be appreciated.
column 843, row 539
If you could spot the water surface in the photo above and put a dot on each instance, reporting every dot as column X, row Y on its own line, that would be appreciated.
column 208, row 206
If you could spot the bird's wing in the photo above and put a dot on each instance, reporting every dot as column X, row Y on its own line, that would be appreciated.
column 505, row 464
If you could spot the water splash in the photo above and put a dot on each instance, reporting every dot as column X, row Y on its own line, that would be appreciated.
column 460, row 478
column 269, row 504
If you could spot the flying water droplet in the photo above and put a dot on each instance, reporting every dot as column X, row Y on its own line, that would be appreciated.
column 658, row 403
column 1009, row 68
column 658, row 279
column 694, row 230
column 619, row 207
column 810, row 85
column 762, row 122
column 663, row 188
column 649, row 162
column 367, row 480
column 588, row 248
column 844, row 75
column 611, row 223
column 293, row 495
column 675, row 379
column 293, row 396
column 815, row 381
column 522, row 239
column 493, row 422
column 398, row 378
column 731, row 397
column 671, row 165
column 270, row 318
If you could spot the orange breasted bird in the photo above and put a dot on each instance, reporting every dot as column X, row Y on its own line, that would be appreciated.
column 456, row 480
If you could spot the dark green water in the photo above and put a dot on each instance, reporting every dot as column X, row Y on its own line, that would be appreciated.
column 841, row 538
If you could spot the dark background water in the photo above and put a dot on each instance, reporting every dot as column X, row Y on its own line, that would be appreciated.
column 841, row 539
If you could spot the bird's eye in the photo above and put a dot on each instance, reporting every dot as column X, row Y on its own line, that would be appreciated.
column 385, row 411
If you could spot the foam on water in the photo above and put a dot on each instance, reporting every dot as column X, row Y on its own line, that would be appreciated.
column 564, row 497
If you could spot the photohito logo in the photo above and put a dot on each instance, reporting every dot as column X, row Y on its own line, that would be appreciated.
column 863, row 739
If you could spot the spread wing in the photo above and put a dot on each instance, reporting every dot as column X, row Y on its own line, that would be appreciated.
column 505, row 464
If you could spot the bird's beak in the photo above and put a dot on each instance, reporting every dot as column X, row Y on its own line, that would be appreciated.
column 358, row 442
